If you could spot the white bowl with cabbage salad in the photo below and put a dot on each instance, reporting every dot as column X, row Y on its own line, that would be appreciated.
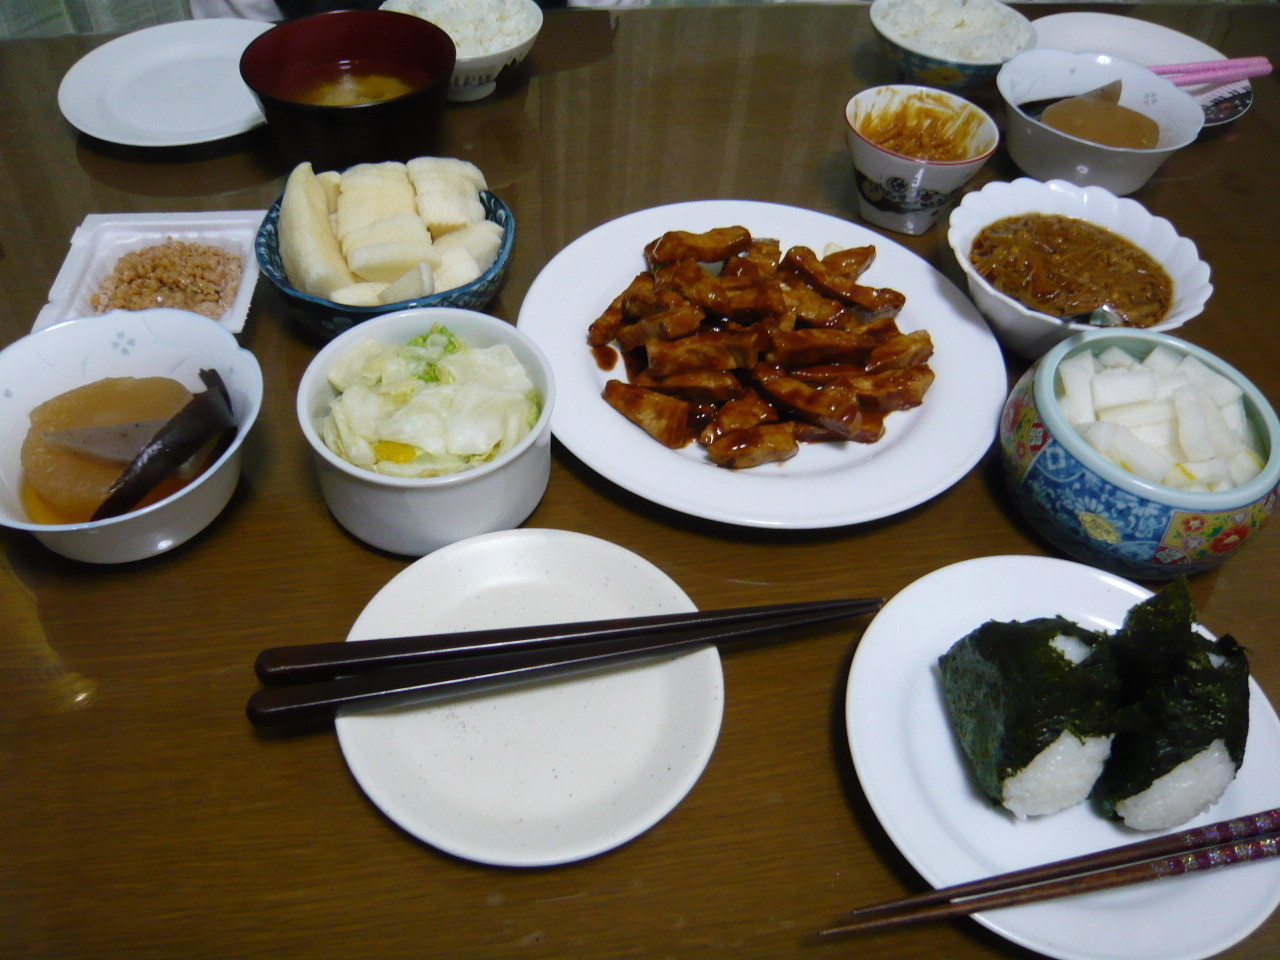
column 490, row 35
column 429, row 426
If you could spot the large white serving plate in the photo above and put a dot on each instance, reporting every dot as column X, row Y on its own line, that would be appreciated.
column 165, row 86
column 924, row 451
column 1148, row 44
column 548, row 772
column 915, row 779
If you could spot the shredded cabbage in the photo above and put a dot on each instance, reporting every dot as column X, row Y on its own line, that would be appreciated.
column 430, row 407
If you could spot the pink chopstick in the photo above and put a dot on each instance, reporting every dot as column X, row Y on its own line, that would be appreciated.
column 1214, row 71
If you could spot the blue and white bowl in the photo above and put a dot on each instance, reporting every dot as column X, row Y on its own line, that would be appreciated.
column 1101, row 514
column 326, row 319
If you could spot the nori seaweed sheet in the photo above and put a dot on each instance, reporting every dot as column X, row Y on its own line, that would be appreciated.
column 1179, row 700
column 1010, row 694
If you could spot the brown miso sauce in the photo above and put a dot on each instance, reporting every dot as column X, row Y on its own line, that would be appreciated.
column 1102, row 122
column 1063, row 265
column 924, row 126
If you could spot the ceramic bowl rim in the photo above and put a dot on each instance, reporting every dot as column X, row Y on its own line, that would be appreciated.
column 1106, row 149
column 484, row 61
column 1045, row 396
column 318, row 367
column 876, row 12
column 436, row 299
column 1076, row 192
column 989, row 125
column 243, row 426
column 349, row 109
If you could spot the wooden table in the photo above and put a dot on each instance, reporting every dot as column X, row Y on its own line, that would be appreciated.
column 141, row 814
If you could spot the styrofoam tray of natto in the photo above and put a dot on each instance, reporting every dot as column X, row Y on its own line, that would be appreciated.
column 102, row 239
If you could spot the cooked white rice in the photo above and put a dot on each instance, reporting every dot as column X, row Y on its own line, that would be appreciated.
column 477, row 27
column 1060, row 776
column 984, row 31
column 1188, row 789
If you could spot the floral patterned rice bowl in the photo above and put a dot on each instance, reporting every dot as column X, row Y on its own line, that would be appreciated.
column 1101, row 514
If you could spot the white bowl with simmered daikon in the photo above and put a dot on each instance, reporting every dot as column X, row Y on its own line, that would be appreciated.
column 1141, row 453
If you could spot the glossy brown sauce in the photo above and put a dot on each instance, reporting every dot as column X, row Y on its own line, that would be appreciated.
column 1062, row 265
column 925, row 126
column 1103, row 122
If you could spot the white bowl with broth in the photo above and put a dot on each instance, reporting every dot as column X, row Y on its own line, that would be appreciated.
column 1030, row 332
column 1047, row 153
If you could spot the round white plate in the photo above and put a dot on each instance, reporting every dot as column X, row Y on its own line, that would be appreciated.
column 1148, row 44
column 924, row 451
column 915, row 779
column 548, row 772
column 165, row 86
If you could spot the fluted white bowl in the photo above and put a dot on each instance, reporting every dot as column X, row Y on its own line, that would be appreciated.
column 1030, row 332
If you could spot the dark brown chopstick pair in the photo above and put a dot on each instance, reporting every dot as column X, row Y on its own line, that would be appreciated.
column 1221, row 844
column 307, row 682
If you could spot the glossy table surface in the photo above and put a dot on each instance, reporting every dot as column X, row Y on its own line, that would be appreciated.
column 143, row 816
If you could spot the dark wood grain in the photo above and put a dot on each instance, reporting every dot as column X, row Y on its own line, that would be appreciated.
column 143, row 816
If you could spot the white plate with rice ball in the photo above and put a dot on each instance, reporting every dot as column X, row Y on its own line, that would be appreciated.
column 916, row 781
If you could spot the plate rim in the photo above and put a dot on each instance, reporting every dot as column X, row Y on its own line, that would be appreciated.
column 694, row 758
column 1002, row 922
column 983, row 369
column 82, row 71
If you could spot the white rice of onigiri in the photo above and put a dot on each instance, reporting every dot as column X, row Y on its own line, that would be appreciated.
column 1187, row 790
column 1060, row 776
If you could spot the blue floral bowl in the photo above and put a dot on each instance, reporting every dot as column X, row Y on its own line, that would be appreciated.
column 1101, row 514
column 326, row 319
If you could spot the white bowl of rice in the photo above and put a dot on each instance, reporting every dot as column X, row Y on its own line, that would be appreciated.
column 490, row 36
column 956, row 44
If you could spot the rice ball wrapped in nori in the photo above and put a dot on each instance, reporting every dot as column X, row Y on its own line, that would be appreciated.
column 1185, row 739
column 1032, row 705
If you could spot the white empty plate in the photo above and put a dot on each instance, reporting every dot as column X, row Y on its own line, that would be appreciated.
column 548, row 772
column 166, row 86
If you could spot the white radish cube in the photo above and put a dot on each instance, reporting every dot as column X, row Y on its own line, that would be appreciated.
column 1116, row 357
column 1226, row 442
column 1215, row 384
column 1139, row 414
column 1139, row 459
column 1075, row 374
column 1115, row 386
column 1244, row 466
column 1167, row 383
column 1163, row 436
column 1193, row 429
column 1163, row 360
column 1206, row 471
column 1239, row 423
column 1099, row 435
